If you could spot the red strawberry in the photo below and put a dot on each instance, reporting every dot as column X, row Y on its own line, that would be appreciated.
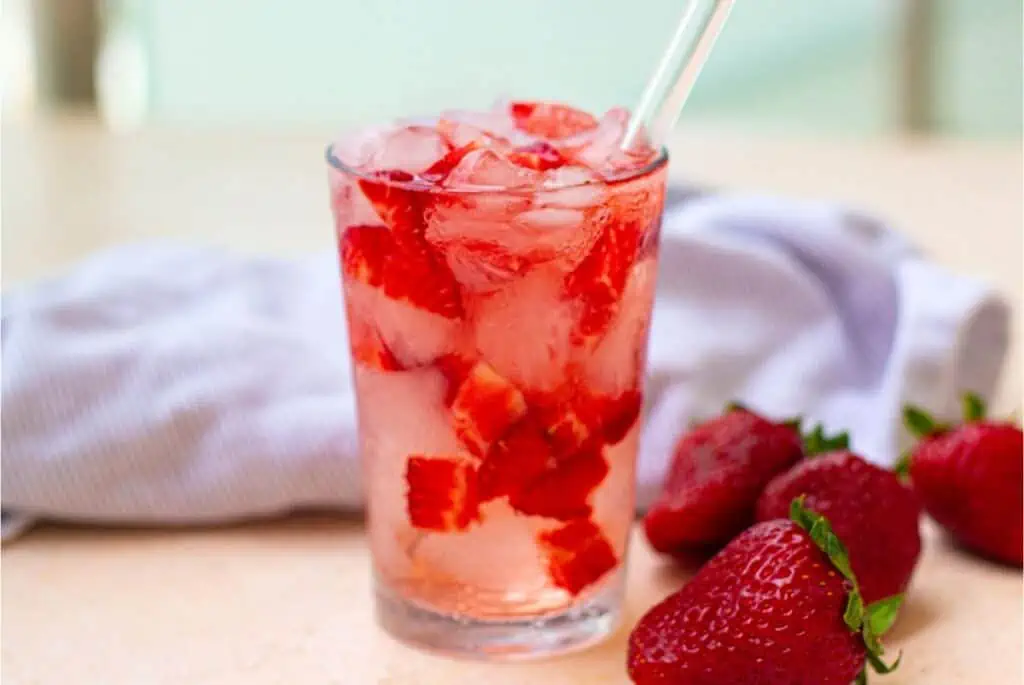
column 597, row 283
column 520, row 456
column 539, row 155
column 578, row 555
column 484, row 407
column 870, row 510
column 563, row 492
column 400, row 207
column 777, row 606
column 406, row 271
column 969, row 478
column 717, row 473
column 442, row 494
column 550, row 120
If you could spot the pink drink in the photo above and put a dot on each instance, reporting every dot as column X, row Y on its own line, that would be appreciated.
column 498, row 272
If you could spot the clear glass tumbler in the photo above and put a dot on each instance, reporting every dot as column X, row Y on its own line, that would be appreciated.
column 498, row 318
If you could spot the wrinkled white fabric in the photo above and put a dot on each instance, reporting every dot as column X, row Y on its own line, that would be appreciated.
column 162, row 383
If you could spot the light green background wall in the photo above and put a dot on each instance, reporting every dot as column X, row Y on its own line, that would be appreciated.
column 782, row 65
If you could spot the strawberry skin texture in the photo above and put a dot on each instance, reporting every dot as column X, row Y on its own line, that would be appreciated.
column 766, row 610
column 717, row 473
column 970, row 481
column 876, row 516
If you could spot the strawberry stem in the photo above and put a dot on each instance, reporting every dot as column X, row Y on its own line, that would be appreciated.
column 817, row 442
column 871, row 621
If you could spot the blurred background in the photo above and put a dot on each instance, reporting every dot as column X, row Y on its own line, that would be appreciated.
column 847, row 68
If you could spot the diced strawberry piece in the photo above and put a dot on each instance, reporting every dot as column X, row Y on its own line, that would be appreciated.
column 578, row 555
column 550, row 120
column 514, row 460
column 442, row 494
column 417, row 275
column 455, row 368
column 407, row 271
column 567, row 420
column 400, row 208
column 539, row 155
column 484, row 407
column 365, row 251
column 599, row 280
column 563, row 492
column 619, row 414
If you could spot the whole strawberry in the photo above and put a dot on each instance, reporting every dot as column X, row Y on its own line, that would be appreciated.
column 718, row 470
column 778, row 605
column 870, row 510
column 969, row 478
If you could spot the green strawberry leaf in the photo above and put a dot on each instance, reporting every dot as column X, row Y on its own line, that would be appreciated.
column 862, row 677
column 902, row 466
column 735, row 405
column 816, row 442
column 880, row 666
column 918, row 421
column 882, row 614
column 871, row 621
column 854, row 614
column 820, row 530
column 973, row 407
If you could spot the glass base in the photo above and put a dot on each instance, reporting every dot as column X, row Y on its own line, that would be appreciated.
column 513, row 639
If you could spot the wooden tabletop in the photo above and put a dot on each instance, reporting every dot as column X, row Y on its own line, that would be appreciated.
column 289, row 601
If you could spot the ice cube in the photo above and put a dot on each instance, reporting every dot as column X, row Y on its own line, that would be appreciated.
column 487, row 168
column 613, row 367
column 523, row 330
column 409, row 148
column 415, row 336
column 485, row 129
column 600, row 148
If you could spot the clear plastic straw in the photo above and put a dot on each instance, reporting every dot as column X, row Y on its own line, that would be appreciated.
column 670, row 84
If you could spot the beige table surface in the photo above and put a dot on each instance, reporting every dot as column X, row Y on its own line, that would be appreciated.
column 287, row 602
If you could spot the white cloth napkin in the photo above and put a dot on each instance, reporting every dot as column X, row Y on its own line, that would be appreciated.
column 161, row 383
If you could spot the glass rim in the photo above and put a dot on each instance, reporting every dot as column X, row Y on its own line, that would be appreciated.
column 660, row 160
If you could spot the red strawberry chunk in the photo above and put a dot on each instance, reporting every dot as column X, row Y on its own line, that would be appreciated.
column 619, row 414
column 455, row 368
column 365, row 251
column 516, row 459
column 578, row 555
column 599, row 280
column 442, row 494
column 550, row 120
column 539, row 155
column 484, row 407
column 401, row 209
column 408, row 271
column 563, row 492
